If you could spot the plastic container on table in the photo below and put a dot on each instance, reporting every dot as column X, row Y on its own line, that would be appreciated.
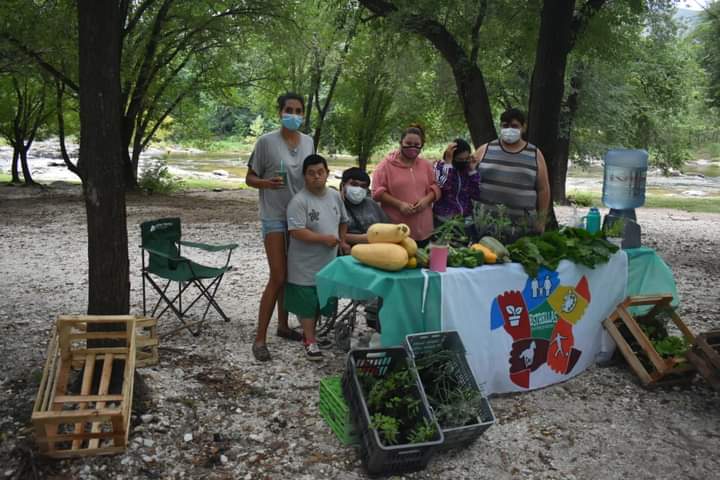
column 591, row 221
column 421, row 344
column 380, row 459
column 624, row 178
column 438, row 258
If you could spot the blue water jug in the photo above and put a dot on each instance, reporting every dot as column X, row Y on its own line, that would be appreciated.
column 624, row 181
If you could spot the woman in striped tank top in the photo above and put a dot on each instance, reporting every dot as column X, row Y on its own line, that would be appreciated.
column 514, row 188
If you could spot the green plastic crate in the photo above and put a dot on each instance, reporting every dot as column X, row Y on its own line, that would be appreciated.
column 335, row 411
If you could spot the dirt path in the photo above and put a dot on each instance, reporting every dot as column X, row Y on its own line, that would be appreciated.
column 249, row 420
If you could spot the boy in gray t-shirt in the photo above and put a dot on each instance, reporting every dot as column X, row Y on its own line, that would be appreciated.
column 317, row 223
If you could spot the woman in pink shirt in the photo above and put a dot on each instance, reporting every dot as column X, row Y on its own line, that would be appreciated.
column 404, row 184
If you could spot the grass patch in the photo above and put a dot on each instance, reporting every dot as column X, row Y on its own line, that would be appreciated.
column 211, row 184
column 688, row 204
column 5, row 177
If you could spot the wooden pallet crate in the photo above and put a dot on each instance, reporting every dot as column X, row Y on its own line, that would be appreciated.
column 146, row 342
column 661, row 371
column 79, row 409
column 705, row 355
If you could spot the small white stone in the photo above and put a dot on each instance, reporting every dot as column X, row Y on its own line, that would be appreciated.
column 223, row 459
column 148, row 442
column 257, row 438
column 147, row 418
column 187, row 437
column 148, row 459
column 248, row 476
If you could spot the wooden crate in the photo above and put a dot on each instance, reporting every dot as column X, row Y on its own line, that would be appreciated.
column 146, row 342
column 662, row 371
column 77, row 411
column 705, row 355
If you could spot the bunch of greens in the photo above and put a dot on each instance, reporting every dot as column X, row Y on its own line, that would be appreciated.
column 465, row 257
column 671, row 346
column 395, row 407
column 451, row 232
column 455, row 404
column 574, row 244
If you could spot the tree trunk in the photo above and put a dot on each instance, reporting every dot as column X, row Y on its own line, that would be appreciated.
column 568, row 113
column 25, row 167
column 363, row 161
column 476, row 104
column 101, row 161
column 547, row 87
column 14, row 169
column 468, row 77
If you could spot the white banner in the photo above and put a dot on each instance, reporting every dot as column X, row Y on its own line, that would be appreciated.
column 523, row 333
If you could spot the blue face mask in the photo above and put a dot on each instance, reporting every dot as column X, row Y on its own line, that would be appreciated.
column 292, row 122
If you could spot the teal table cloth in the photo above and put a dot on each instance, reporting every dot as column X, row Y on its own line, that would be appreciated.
column 411, row 297
column 648, row 274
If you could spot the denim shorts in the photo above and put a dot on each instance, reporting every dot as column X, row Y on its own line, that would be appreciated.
column 273, row 226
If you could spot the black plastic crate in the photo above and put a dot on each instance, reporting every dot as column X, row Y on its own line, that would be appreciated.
column 377, row 458
column 422, row 344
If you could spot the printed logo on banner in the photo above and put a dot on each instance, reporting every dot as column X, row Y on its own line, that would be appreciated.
column 540, row 320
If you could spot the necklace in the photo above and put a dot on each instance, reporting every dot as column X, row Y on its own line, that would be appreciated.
column 292, row 146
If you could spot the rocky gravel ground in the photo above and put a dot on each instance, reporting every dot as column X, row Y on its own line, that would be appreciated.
column 210, row 411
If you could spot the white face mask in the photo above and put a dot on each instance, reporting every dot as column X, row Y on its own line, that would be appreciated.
column 355, row 195
column 510, row 135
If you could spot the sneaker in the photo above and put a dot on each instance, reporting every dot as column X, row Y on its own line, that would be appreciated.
column 323, row 342
column 312, row 352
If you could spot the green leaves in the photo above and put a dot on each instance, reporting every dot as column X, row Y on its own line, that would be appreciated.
column 573, row 244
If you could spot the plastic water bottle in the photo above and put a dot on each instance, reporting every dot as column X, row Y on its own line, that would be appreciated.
column 283, row 173
column 624, row 181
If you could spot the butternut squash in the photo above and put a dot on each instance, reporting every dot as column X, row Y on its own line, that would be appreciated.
column 490, row 256
column 385, row 256
column 387, row 233
column 409, row 245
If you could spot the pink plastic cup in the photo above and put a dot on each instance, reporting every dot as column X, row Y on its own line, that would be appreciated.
column 438, row 258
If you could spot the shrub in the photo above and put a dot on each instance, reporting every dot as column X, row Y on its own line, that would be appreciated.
column 581, row 199
column 157, row 179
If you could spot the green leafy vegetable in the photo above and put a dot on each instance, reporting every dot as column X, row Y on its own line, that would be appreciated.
column 574, row 244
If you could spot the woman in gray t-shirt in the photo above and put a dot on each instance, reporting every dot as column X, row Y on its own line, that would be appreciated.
column 275, row 169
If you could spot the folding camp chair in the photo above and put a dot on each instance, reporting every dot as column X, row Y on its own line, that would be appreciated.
column 161, row 239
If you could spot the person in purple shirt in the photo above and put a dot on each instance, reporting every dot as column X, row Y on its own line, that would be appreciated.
column 459, row 181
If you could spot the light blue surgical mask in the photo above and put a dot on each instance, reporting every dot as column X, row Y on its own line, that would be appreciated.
column 355, row 195
column 292, row 122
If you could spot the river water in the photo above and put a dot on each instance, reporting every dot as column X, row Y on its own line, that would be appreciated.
column 700, row 178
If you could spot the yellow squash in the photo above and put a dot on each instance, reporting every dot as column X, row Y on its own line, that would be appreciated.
column 490, row 256
column 412, row 263
column 387, row 233
column 386, row 256
column 410, row 246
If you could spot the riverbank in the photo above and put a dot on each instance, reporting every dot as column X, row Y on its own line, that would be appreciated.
column 209, row 410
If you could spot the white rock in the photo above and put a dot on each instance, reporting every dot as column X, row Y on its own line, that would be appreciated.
column 223, row 459
column 187, row 437
column 148, row 458
column 257, row 438
column 147, row 418
column 220, row 173
column 148, row 442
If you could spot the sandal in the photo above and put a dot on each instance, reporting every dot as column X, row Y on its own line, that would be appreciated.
column 261, row 352
column 290, row 334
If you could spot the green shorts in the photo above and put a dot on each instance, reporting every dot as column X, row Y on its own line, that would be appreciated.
column 302, row 300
